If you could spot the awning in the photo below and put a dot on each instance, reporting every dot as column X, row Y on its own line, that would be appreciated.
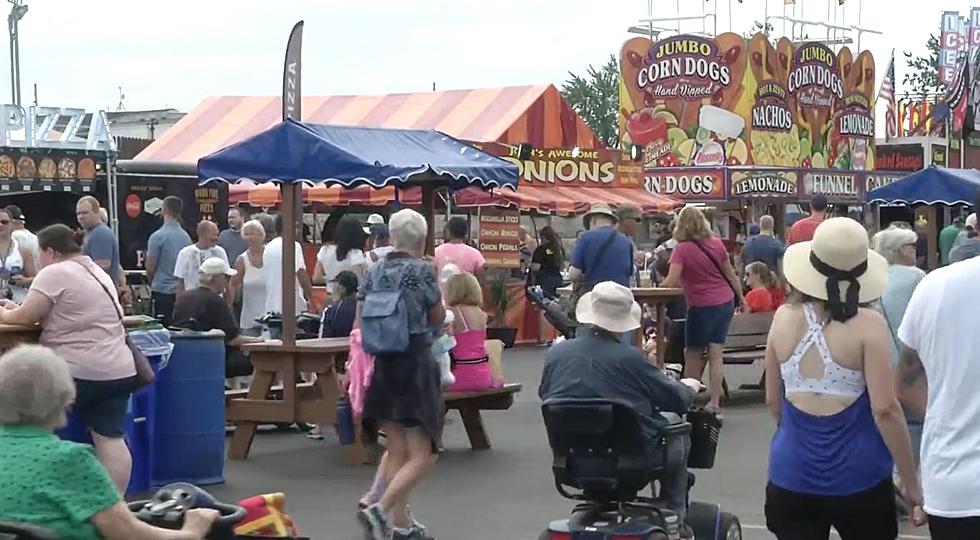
column 932, row 185
column 512, row 115
column 297, row 152
column 567, row 200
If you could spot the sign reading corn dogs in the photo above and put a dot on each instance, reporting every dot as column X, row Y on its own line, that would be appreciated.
column 690, row 101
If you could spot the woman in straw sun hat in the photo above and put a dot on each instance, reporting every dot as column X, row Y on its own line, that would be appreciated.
column 831, row 391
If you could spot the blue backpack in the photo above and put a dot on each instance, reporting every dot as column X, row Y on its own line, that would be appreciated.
column 384, row 317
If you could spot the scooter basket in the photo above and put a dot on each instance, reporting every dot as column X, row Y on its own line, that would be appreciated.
column 705, row 428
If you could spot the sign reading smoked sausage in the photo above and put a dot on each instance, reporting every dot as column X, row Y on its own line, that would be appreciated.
column 899, row 157
column 687, row 184
column 763, row 183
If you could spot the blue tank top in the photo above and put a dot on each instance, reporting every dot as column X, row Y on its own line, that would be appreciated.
column 839, row 454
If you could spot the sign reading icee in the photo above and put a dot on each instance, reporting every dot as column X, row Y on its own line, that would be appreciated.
column 34, row 127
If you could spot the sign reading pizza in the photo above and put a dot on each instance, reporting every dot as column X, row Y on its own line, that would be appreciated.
column 498, row 238
column 687, row 184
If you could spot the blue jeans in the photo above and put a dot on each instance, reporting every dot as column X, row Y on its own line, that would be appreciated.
column 673, row 479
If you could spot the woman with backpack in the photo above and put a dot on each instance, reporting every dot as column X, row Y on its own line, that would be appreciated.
column 400, row 312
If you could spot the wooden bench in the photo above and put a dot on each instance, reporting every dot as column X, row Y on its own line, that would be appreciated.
column 746, row 343
column 469, row 405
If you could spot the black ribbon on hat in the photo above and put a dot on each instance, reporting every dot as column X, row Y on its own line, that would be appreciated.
column 840, row 311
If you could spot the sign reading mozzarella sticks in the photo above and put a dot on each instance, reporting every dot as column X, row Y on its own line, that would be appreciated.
column 498, row 238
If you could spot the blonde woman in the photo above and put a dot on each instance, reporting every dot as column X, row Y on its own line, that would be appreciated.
column 700, row 265
column 471, row 363
column 250, row 278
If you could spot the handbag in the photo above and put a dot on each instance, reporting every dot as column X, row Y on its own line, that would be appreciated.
column 144, row 371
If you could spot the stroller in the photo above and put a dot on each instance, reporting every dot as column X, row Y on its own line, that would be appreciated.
column 554, row 312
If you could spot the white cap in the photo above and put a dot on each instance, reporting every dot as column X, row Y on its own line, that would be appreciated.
column 375, row 219
column 216, row 265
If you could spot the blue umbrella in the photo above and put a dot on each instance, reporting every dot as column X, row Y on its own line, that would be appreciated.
column 294, row 152
column 932, row 185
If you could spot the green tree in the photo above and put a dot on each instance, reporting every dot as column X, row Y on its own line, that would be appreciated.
column 759, row 26
column 922, row 76
column 595, row 97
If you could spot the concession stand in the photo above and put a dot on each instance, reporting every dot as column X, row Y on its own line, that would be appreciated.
column 564, row 168
column 49, row 156
column 749, row 125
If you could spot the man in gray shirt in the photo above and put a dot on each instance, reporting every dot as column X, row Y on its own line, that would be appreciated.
column 231, row 238
column 161, row 258
column 100, row 243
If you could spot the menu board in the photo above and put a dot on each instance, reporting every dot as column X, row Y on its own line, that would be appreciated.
column 498, row 238
column 708, row 102
column 40, row 169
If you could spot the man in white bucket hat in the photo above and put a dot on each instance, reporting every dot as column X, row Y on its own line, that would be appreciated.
column 596, row 365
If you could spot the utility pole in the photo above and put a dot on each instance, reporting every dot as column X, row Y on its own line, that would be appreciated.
column 17, row 12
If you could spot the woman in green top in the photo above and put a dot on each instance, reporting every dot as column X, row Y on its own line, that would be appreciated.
column 57, row 484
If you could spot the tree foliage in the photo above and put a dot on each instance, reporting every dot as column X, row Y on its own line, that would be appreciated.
column 595, row 97
column 922, row 76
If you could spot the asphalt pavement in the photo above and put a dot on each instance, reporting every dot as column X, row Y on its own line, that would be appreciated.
column 506, row 492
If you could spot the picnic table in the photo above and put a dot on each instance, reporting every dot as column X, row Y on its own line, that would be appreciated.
column 12, row 335
column 313, row 403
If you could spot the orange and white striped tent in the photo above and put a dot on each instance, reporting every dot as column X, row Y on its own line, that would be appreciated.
column 535, row 114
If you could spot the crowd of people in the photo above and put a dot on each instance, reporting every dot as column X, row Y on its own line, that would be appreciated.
column 848, row 312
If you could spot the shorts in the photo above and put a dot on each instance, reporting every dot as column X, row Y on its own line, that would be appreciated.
column 941, row 528
column 102, row 405
column 707, row 325
column 866, row 515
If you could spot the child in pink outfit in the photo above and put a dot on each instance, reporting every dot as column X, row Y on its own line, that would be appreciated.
column 471, row 365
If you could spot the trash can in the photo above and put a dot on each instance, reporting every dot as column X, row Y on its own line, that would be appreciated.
column 140, row 419
column 189, row 440
column 155, row 344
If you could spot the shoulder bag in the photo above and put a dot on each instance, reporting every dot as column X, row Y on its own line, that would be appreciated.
column 144, row 371
column 718, row 268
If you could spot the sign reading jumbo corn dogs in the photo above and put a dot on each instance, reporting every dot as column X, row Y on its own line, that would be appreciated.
column 691, row 101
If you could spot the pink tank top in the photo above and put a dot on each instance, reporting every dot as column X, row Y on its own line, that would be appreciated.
column 470, row 344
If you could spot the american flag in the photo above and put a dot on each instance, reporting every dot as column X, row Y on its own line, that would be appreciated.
column 887, row 93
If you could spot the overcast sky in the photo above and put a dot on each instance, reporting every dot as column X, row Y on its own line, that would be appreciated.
column 176, row 52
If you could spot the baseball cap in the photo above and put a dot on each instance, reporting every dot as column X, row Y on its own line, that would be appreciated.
column 375, row 219
column 216, row 265
column 346, row 279
column 15, row 212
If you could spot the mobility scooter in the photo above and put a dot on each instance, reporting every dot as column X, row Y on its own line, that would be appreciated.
column 600, row 452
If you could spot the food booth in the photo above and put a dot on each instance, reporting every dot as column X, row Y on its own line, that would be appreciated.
column 748, row 126
column 50, row 156
column 500, row 119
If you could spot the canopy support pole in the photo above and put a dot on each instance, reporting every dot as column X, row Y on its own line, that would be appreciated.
column 289, row 197
column 429, row 212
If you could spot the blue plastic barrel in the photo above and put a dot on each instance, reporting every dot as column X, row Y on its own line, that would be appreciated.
column 189, row 442
column 155, row 344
